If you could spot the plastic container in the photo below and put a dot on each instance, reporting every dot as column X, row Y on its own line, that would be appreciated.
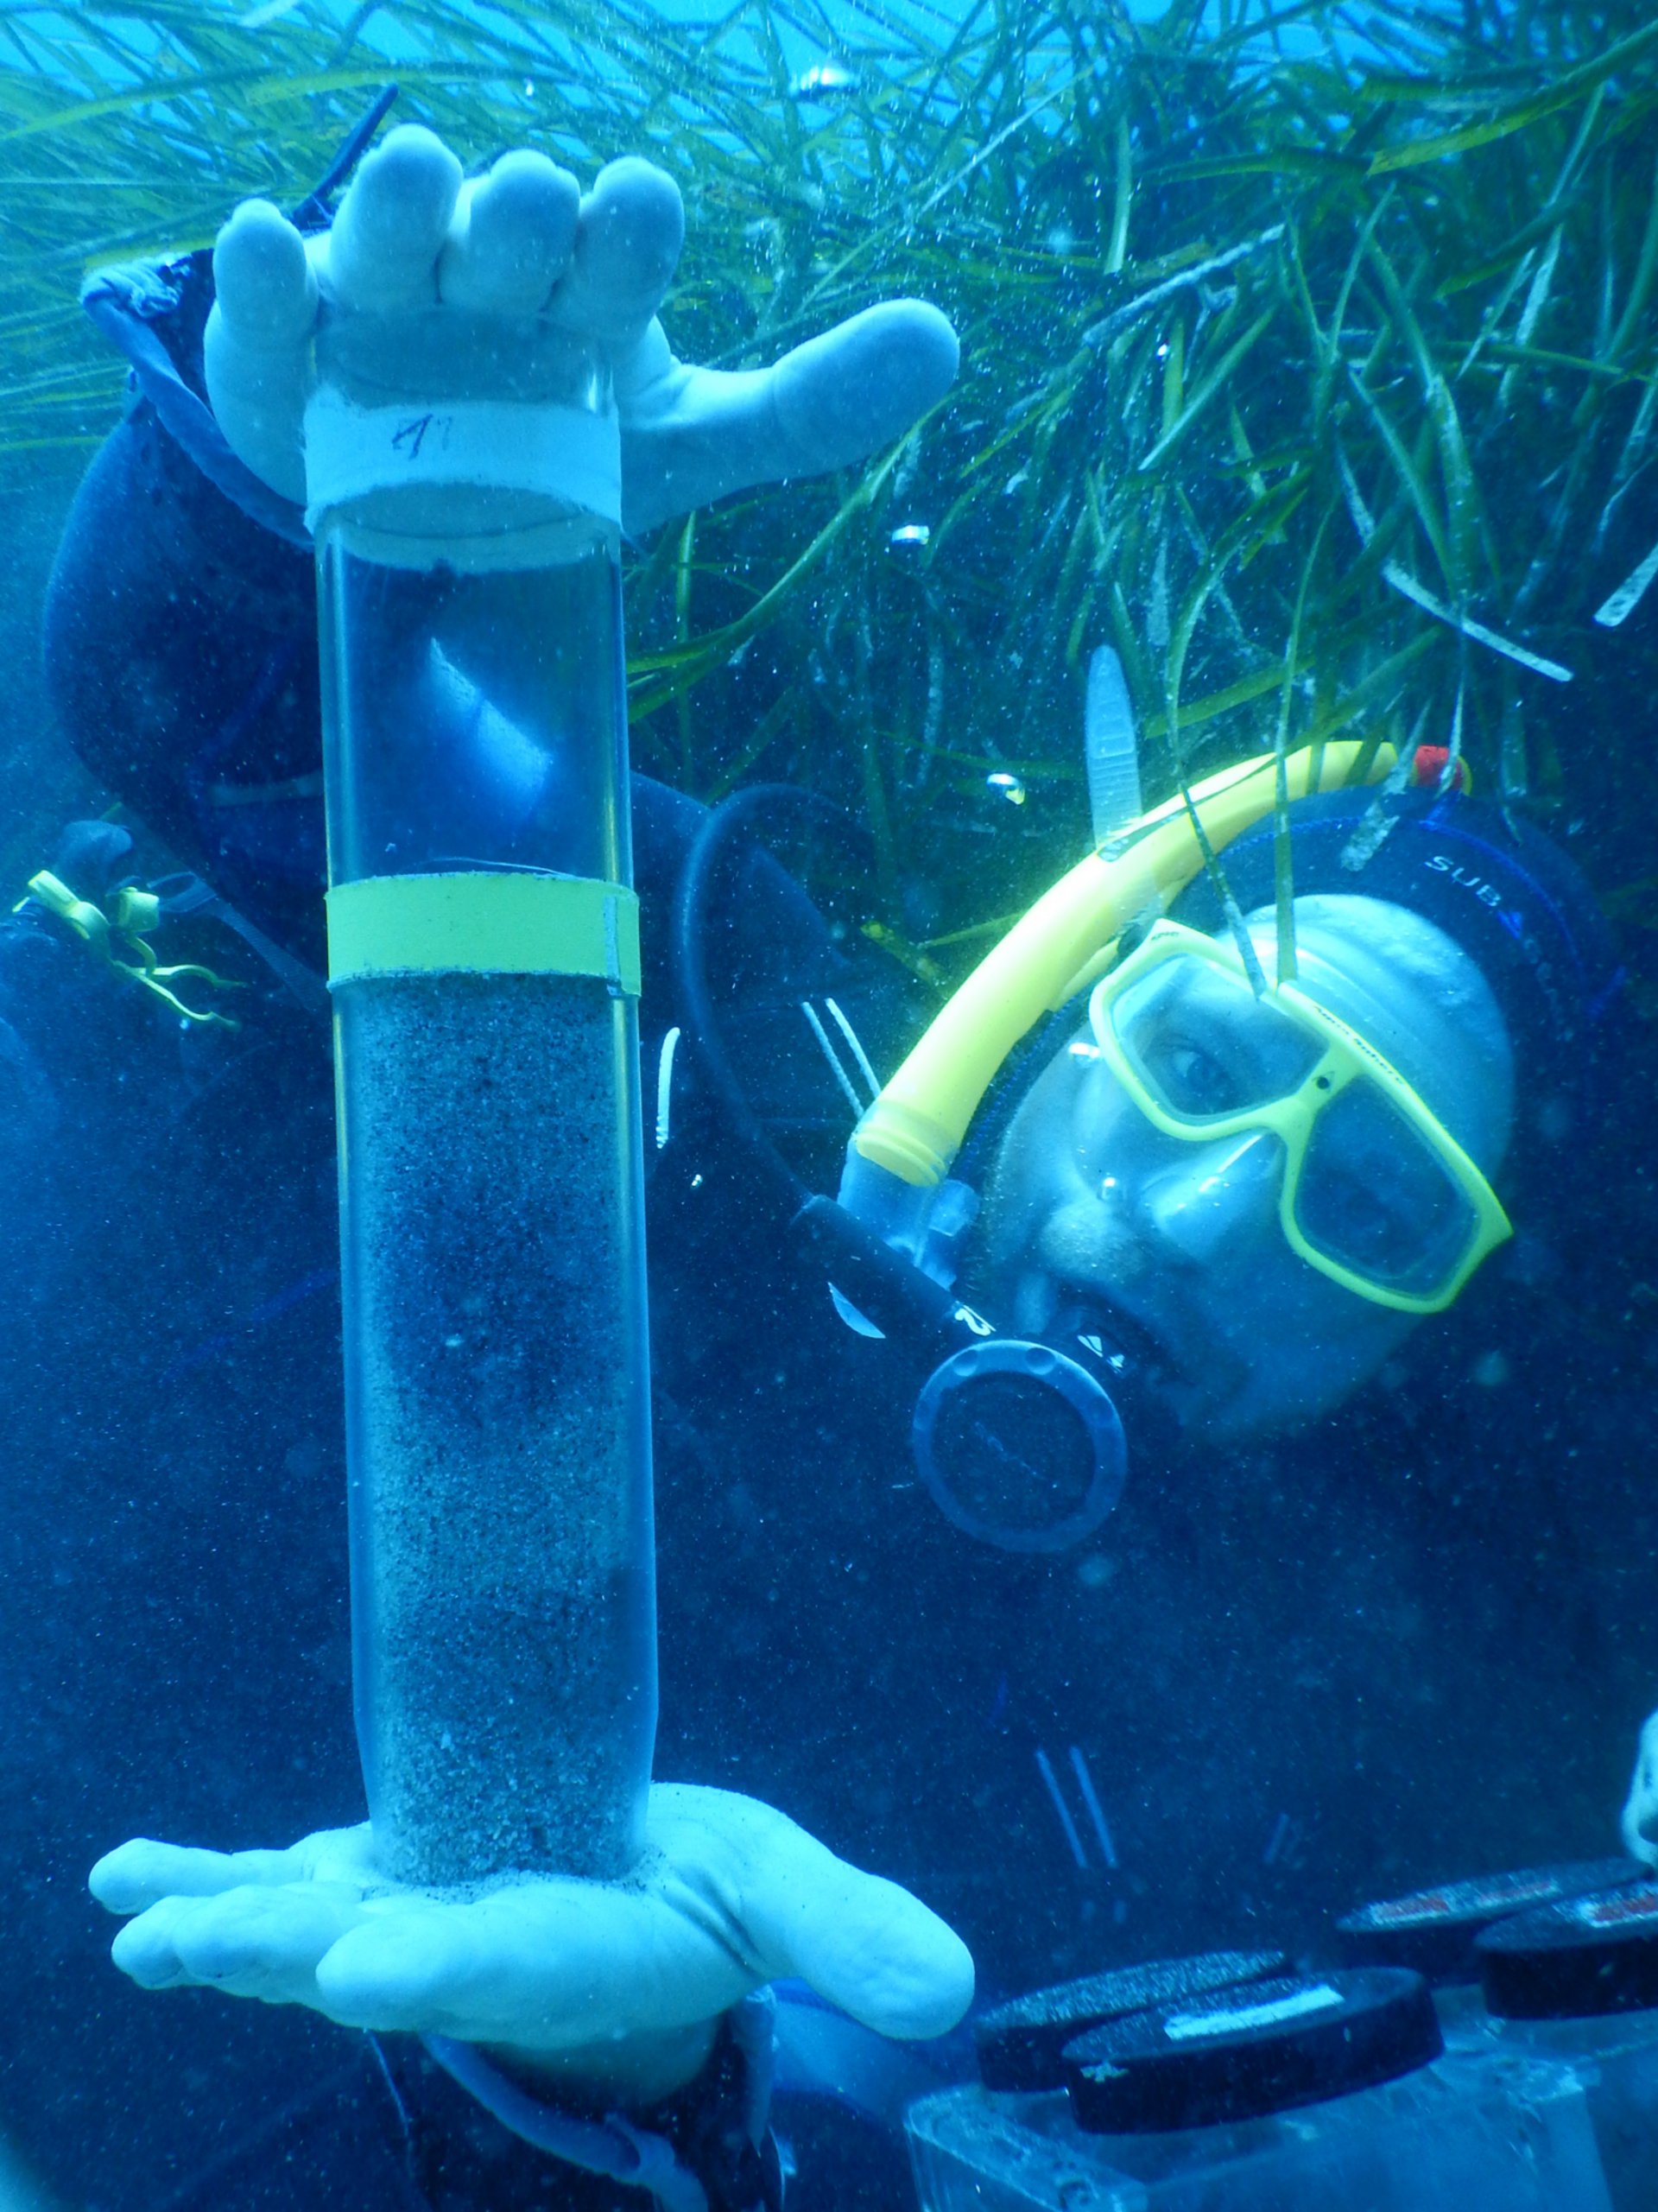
column 1489, row 2132
column 1614, row 2052
column 1614, row 2059
column 484, row 968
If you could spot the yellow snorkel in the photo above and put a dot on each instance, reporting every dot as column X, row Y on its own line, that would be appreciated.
column 917, row 1125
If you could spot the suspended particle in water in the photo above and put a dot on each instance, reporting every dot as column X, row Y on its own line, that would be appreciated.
column 1010, row 786
column 822, row 81
column 908, row 536
column 529, row 88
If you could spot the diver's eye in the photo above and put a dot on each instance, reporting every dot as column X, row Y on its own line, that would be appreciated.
column 1351, row 1216
column 1190, row 1079
column 1373, row 1195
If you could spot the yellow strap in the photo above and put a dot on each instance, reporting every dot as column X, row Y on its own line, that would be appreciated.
column 131, row 912
column 87, row 920
column 916, row 1128
column 484, row 923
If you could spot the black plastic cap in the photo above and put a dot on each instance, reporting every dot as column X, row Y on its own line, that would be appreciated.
column 1433, row 1930
column 1583, row 1956
column 1019, row 2044
column 1245, row 2052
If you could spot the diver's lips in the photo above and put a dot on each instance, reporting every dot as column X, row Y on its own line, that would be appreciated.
column 1121, row 1338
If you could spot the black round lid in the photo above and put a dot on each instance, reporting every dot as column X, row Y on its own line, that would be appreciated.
column 1584, row 1954
column 1244, row 2051
column 1433, row 1930
column 1019, row 2043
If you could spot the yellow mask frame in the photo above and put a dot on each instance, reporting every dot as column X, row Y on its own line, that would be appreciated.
column 1342, row 1058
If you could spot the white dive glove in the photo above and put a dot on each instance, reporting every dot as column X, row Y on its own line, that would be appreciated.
column 613, row 1987
column 1641, row 1809
column 521, row 243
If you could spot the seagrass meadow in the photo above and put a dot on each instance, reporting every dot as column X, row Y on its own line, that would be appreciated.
column 1309, row 361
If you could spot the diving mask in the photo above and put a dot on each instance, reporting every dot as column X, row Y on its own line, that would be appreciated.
column 1374, row 1190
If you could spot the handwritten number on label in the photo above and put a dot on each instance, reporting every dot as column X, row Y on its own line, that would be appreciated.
column 409, row 440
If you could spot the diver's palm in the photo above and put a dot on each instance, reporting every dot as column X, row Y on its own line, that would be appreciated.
column 524, row 243
column 730, row 1894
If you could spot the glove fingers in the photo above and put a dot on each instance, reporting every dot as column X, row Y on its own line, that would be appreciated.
column 693, row 435
column 511, row 238
column 141, row 1873
column 839, row 396
column 862, row 1941
column 383, row 250
column 255, row 348
column 628, row 239
column 262, row 280
column 878, row 1953
column 411, row 1968
column 247, row 1943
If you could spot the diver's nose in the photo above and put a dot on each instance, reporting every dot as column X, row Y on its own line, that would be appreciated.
column 1214, row 1194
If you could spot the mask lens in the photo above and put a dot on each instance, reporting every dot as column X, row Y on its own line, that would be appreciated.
column 1374, row 1198
column 1202, row 1044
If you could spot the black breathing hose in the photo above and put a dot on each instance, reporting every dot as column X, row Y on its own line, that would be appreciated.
column 718, row 833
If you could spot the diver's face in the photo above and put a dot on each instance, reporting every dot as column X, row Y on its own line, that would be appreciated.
column 1093, row 1207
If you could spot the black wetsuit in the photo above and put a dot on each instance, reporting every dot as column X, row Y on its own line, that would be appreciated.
column 1252, row 1644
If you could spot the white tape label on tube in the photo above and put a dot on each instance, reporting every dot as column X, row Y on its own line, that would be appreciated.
column 562, row 453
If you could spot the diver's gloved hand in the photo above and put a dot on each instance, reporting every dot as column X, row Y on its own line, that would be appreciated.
column 614, row 1985
column 523, row 241
column 1641, row 1809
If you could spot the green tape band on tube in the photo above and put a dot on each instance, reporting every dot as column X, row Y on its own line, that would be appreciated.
column 504, row 924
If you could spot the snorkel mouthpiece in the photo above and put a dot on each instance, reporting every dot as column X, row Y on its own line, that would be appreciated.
column 1019, row 1443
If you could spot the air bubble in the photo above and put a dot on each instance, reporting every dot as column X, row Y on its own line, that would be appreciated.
column 821, row 81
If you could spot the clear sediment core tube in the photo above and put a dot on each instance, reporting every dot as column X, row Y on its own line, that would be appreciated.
column 493, row 1279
